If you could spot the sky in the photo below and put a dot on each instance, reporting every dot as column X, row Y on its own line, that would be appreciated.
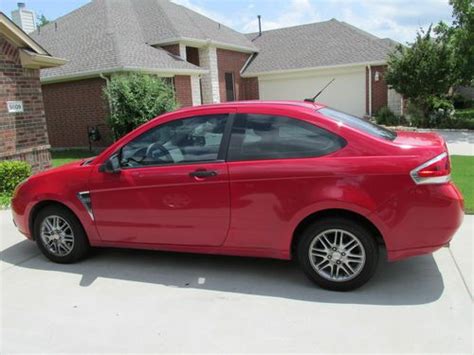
column 396, row 19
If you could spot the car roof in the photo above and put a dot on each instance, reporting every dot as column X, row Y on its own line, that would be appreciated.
column 258, row 103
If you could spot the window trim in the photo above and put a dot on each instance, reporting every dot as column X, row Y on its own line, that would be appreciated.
column 221, row 154
column 241, row 115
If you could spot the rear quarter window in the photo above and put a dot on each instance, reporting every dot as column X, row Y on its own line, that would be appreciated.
column 258, row 137
column 358, row 123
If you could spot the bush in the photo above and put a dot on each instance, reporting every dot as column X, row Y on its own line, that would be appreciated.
column 468, row 113
column 461, row 102
column 441, row 111
column 415, row 116
column 386, row 117
column 12, row 172
column 135, row 99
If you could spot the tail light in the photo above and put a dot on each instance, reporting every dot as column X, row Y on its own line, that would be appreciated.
column 434, row 171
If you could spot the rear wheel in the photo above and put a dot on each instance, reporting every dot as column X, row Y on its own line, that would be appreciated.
column 60, row 235
column 338, row 254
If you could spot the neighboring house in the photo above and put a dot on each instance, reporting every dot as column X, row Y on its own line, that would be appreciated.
column 297, row 62
column 207, row 62
column 23, row 133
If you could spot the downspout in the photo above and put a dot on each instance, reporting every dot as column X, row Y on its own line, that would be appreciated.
column 107, row 82
column 370, row 90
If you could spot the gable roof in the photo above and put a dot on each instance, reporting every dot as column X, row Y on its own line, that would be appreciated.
column 32, row 54
column 165, row 22
column 118, row 35
column 322, row 44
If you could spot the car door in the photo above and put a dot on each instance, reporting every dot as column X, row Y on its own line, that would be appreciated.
column 276, row 163
column 172, row 187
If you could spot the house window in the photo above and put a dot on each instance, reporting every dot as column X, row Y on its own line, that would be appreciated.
column 229, row 86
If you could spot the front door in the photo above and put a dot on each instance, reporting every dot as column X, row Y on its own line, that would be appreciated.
column 173, row 187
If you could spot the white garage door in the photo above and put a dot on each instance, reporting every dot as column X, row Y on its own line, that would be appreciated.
column 346, row 93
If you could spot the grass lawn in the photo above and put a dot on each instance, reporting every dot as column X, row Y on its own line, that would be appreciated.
column 463, row 171
column 463, row 176
column 66, row 156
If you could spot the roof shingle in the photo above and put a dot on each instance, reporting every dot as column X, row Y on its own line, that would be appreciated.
column 108, row 35
column 321, row 44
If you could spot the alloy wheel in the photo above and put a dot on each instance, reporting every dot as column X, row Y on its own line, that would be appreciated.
column 337, row 255
column 57, row 235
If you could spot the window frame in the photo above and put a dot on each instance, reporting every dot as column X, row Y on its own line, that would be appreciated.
column 241, row 115
column 221, row 155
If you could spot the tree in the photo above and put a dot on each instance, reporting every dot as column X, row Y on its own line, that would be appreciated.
column 422, row 70
column 42, row 20
column 461, row 37
column 135, row 99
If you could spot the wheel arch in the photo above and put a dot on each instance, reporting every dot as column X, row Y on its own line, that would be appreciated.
column 334, row 212
column 39, row 206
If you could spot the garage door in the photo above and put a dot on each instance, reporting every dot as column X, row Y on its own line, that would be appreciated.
column 346, row 93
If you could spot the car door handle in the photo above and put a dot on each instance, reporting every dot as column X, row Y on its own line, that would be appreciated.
column 203, row 173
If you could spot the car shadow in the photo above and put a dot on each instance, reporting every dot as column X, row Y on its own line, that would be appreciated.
column 409, row 282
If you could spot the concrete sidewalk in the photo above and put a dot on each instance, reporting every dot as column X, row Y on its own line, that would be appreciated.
column 138, row 301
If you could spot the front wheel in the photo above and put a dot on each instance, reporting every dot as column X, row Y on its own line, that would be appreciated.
column 338, row 254
column 60, row 235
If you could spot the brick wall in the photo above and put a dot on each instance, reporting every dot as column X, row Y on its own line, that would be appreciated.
column 23, row 135
column 379, row 89
column 249, row 89
column 231, row 62
column 182, row 86
column 172, row 48
column 71, row 107
column 192, row 55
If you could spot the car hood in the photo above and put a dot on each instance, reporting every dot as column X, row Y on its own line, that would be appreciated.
column 83, row 163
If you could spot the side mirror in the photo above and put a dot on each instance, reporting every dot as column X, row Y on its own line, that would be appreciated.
column 111, row 166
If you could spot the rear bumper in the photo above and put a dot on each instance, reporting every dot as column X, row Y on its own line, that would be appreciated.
column 422, row 220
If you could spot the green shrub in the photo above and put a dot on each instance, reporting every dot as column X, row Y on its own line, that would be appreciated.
column 386, row 117
column 461, row 102
column 415, row 116
column 468, row 113
column 441, row 111
column 135, row 99
column 12, row 172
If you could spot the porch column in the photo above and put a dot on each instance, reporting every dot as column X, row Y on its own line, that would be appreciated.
column 196, row 90
column 210, row 81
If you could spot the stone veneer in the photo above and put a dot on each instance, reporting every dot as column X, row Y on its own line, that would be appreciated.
column 210, row 81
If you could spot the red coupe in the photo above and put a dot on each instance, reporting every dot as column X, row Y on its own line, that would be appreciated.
column 275, row 179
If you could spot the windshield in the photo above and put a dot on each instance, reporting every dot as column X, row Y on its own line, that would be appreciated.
column 358, row 123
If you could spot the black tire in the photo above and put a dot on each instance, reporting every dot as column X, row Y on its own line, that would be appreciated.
column 81, row 245
column 362, row 234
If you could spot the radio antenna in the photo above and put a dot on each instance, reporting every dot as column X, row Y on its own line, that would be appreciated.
column 313, row 99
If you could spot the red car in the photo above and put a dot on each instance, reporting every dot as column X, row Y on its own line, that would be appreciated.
column 269, row 179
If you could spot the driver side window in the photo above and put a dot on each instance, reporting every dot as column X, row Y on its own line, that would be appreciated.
column 189, row 140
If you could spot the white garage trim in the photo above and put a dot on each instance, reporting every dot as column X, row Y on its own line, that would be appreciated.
column 304, row 70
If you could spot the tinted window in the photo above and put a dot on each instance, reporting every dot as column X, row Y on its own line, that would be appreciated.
column 188, row 140
column 358, row 123
column 273, row 137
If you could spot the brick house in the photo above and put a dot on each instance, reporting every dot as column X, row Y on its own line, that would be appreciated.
column 207, row 62
column 23, row 134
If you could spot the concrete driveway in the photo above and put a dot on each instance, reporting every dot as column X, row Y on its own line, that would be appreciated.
column 459, row 142
column 137, row 301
